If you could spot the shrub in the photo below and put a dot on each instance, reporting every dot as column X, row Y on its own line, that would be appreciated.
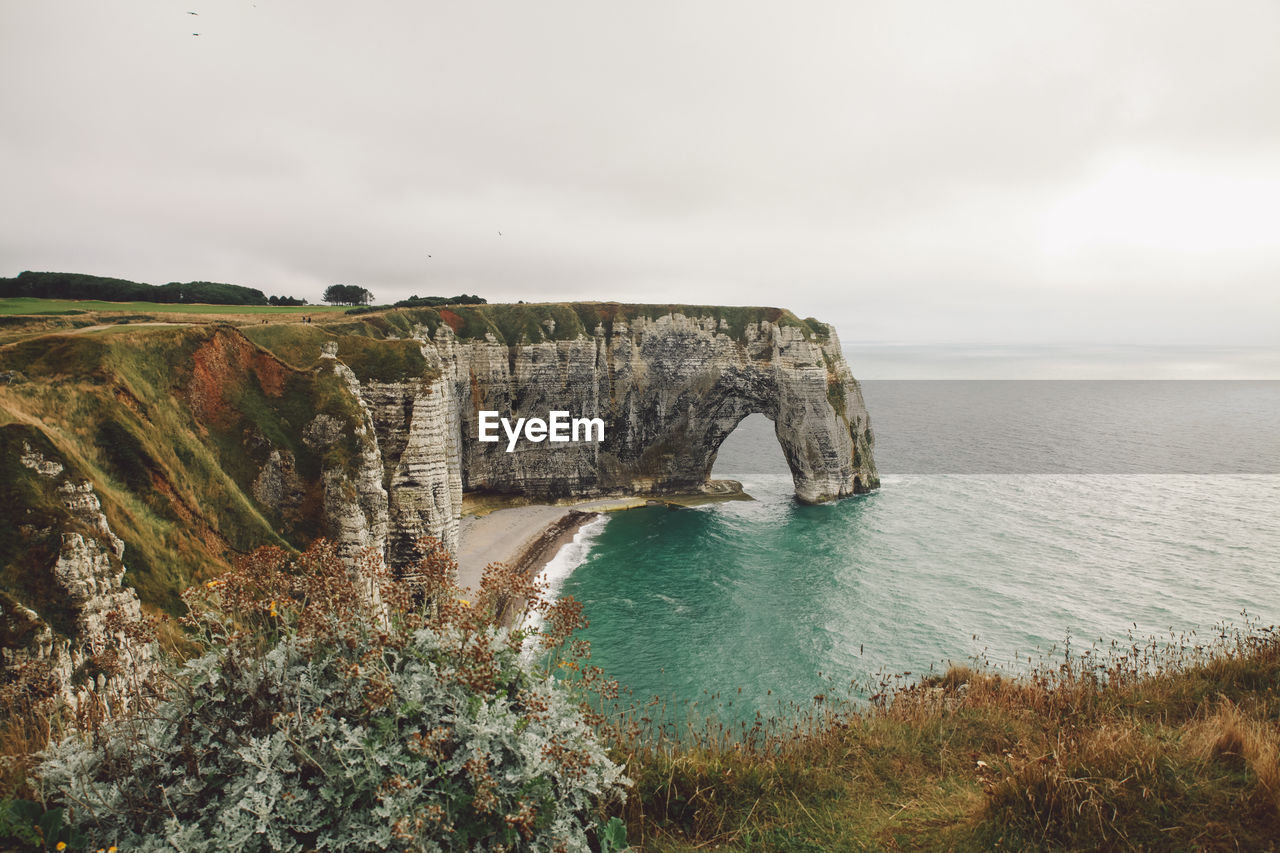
column 330, row 711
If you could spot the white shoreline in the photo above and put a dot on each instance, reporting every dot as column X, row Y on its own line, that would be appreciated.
column 504, row 535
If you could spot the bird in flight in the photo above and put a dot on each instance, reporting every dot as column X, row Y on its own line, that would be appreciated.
column 193, row 13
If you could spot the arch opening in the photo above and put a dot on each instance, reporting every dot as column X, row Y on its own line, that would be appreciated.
column 752, row 455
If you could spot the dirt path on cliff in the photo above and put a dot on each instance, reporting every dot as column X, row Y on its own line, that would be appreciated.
column 114, row 326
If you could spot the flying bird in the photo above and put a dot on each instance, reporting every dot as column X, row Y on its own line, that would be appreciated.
column 193, row 13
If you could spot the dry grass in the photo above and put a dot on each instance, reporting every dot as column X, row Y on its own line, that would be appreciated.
column 28, row 722
column 1152, row 747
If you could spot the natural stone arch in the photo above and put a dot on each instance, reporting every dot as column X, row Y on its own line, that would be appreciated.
column 817, row 441
column 751, row 451
column 670, row 390
column 733, row 399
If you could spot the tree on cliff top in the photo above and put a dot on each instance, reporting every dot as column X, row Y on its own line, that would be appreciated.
column 347, row 294
column 416, row 301
column 61, row 285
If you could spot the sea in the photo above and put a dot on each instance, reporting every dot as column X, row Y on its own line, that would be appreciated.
column 1017, row 522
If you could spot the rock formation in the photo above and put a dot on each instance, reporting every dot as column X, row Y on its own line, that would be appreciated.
column 355, row 498
column 669, row 390
column 102, row 656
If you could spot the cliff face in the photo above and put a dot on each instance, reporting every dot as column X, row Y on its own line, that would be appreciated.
column 669, row 390
column 355, row 497
column 95, row 653
column 417, row 427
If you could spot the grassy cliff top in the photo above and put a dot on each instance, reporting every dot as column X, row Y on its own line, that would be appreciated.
column 507, row 323
column 34, row 305
column 533, row 322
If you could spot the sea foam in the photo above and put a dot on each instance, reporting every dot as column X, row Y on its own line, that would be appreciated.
column 560, row 567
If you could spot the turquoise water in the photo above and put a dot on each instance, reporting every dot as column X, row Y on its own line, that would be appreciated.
column 772, row 601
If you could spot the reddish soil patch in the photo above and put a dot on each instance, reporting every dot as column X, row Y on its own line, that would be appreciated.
column 212, row 365
column 221, row 362
column 455, row 322
column 228, row 359
column 271, row 374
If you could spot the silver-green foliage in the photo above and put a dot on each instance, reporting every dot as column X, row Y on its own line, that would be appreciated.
column 372, row 738
column 282, row 752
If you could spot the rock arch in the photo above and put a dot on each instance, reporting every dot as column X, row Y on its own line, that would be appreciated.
column 670, row 390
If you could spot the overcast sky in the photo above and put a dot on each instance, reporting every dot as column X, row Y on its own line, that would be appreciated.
column 1075, row 173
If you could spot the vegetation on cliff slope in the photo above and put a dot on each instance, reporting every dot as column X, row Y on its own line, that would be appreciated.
column 173, row 426
column 365, row 346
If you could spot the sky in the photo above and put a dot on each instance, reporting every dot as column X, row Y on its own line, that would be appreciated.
column 1004, row 177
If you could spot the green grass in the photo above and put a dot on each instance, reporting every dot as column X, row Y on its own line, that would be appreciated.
column 32, row 306
column 296, row 345
column 362, row 346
